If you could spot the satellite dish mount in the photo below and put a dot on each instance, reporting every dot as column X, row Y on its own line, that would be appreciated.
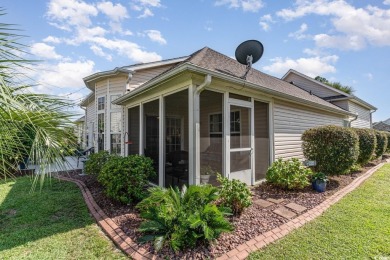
column 248, row 53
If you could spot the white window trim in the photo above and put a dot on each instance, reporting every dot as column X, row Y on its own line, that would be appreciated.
column 110, row 110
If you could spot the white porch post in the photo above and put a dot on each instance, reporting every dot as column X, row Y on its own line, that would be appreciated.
column 194, row 136
column 161, row 143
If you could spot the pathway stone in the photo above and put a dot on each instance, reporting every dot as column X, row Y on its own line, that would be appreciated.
column 284, row 212
column 263, row 203
column 298, row 208
column 277, row 201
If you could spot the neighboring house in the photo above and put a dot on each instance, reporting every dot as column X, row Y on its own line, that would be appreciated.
column 382, row 125
column 196, row 112
column 79, row 130
column 346, row 101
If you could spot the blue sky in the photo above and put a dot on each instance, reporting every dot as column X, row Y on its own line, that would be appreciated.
column 344, row 41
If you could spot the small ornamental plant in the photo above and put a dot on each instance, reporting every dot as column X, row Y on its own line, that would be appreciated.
column 288, row 174
column 95, row 162
column 319, row 176
column 234, row 194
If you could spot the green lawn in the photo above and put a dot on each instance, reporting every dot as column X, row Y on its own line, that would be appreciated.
column 357, row 227
column 51, row 224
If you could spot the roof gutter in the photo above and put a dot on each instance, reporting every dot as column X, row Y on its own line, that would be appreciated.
column 187, row 66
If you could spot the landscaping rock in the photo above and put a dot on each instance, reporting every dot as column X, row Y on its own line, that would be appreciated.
column 284, row 212
column 298, row 208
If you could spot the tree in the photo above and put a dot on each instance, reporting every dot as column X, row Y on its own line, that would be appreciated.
column 32, row 125
column 336, row 85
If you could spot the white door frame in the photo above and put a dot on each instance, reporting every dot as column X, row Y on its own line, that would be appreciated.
column 249, row 105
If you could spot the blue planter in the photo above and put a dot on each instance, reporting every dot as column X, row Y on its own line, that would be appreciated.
column 319, row 186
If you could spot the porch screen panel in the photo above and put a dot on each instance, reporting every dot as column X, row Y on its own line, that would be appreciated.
column 262, row 141
column 176, row 139
column 132, row 137
column 211, row 133
column 152, row 135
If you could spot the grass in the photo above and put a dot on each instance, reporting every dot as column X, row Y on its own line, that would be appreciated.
column 51, row 224
column 357, row 227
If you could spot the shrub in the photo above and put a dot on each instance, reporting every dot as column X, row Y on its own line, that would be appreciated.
column 125, row 178
column 95, row 162
column 381, row 145
column 367, row 145
column 289, row 174
column 335, row 149
column 388, row 142
column 181, row 219
column 234, row 194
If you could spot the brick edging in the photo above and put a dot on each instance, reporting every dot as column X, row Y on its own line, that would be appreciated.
column 260, row 241
column 113, row 231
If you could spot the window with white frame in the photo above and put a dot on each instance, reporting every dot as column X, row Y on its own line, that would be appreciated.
column 216, row 124
column 115, row 132
column 101, row 103
column 112, row 98
column 173, row 134
column 101, row 131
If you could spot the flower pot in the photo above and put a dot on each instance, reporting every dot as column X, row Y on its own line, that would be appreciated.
column 204, row 178
column 319, row 186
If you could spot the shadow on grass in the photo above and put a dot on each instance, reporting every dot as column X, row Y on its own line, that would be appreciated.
column 26, row 217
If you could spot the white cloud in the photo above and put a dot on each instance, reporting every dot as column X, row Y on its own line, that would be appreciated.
column 312, row 66
column 42, row 50
column 353, row 27
column 299, row 34
column 265, row 20
column 369, row 76
column 63, row 74
column 386, row 2
column 155, row 36
column 52, row 39
column 245, row 5
column 115, row 12
column 152, row 3
column 71, row 12
column 99, row 52
column 147, row 13
column 132, row 50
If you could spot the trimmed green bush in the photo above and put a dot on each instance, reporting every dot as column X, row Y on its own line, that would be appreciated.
column 388, row 142
column 234, row 194
column 367, row 145
column 334, row 148
column 289, row 174
column 125, row 178
column 95, row 162
column 381, row 144
column 182, row 219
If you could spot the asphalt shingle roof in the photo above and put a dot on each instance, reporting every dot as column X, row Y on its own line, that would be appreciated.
column 212, row 60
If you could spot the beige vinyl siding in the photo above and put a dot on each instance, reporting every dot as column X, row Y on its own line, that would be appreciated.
column 341, row 103
column 290, row 121
column 308, row 85
column 363, row 120
column 142, row 76
column 90, row 121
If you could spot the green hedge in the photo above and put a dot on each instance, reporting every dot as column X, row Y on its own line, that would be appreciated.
column 367, row 145
column 125, row 178
column 381, row 145
column 95, row 162
column 388, row 142
column 334, row 148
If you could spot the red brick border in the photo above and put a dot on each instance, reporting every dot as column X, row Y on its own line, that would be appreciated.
column 127, row 245
column 243, row 250
column 115, row 233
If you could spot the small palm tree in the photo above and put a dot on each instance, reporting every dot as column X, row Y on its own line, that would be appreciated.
column 33, row 125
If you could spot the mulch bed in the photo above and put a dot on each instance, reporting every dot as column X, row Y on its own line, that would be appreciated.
column 254, row 221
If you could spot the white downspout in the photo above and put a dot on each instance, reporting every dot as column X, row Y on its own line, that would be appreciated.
column 205, row 84
column 371, row 112
column 350, row 122
column 196, row 114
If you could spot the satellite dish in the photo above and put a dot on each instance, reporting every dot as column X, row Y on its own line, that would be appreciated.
column 248, row 53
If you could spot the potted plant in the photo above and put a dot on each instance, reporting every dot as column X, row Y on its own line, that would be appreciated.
column 205, row 173
column 319, row 180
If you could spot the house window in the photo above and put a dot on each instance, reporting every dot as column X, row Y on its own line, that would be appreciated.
column 101, row 102
column 112, row 98
column 100, row 131
column 115, row 131
column 173, row 134
column 216, row 124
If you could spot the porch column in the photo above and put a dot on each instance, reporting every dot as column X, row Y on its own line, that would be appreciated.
column 194, row 136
